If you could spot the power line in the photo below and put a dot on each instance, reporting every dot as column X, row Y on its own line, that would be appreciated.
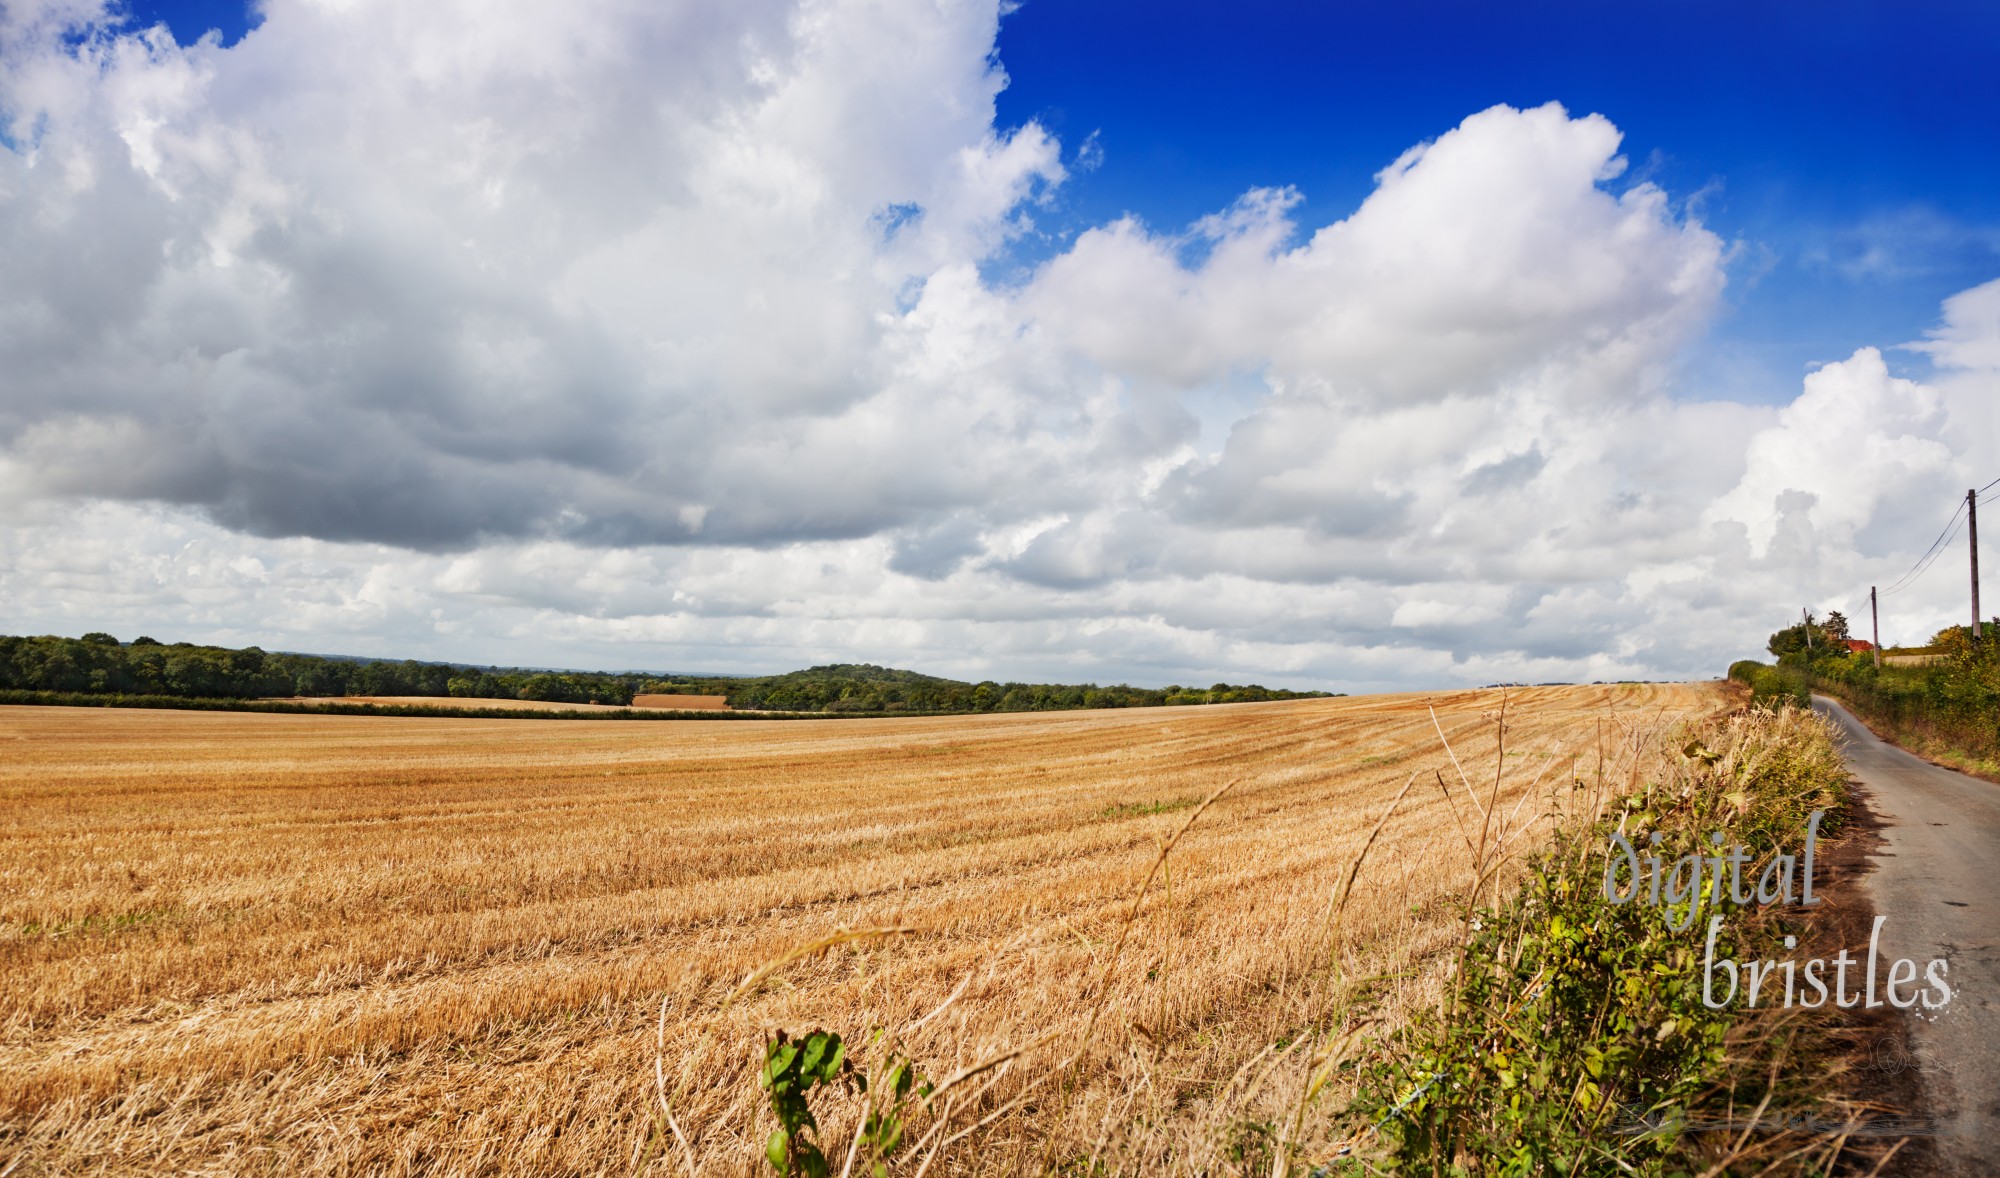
column 1916, row 574
column 1934, row 552
column 1930, row 554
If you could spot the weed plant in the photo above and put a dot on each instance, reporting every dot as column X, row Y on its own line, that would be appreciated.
column 1573, row 1037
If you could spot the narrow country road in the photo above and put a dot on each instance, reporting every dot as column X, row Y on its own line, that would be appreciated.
column 1936, row 881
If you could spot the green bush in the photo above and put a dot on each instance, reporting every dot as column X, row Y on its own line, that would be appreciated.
column 1773, row 687
column 1949, row 708
column 1571, row 1018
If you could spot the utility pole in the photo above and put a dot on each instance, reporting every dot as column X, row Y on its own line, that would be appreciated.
column 1875, row 617
column 1972, row 533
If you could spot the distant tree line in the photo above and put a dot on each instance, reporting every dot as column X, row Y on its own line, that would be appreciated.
column 99, row 664
column 498, row 709
column 851, row 687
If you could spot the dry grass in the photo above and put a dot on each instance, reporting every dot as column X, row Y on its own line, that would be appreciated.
column 323, row 944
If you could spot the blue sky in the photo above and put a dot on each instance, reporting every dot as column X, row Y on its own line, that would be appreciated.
column 1816, row 134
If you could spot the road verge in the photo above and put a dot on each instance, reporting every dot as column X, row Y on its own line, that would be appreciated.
column 1600, row 1018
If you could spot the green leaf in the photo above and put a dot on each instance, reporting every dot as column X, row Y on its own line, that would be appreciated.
column 779, row 1062
column 812, row 1163
column 815, row 1051
column 885, row 1132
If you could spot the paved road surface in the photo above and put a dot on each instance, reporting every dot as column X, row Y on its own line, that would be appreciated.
column 1938, row 882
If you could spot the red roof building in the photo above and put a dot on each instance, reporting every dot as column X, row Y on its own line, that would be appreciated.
column 1854, row 644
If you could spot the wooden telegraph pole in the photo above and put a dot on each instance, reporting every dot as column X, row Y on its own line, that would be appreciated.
column 1972, row 533
column 1875, row 618
column 1805, row 615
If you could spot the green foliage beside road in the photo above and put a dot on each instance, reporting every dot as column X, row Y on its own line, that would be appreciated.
column 1947, row 708
column 1575, row 1036
column 1772, row 686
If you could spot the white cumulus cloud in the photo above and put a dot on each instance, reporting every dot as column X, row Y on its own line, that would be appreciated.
column 621, row 334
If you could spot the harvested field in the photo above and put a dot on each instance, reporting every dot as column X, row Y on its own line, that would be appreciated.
column 322, row 944
column 683, row 703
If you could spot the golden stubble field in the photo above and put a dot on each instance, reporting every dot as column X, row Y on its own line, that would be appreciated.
column 324, row 944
